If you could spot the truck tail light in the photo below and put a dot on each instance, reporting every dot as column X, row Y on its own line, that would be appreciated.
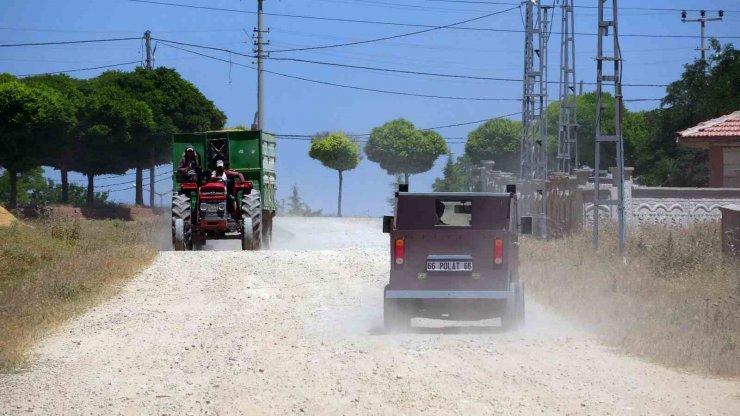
column 498, row 251
column 400, row 251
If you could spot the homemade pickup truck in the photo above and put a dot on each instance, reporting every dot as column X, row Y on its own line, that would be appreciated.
column 454, row 256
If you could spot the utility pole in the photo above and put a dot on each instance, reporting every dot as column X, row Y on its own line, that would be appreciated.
column 567, row 126
column 604, row 139
column 148, row 42
column 703, row 20
column 152, row 157
column 259, row 44
column 533, row 161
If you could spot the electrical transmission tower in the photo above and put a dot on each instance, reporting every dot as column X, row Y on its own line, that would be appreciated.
column 533, row 164
column 534, row 97
column 603, row 139
column 567, row 125
column 258, row 41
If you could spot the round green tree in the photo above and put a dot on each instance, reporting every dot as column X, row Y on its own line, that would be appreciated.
column 336, row 151
column 399, row 148
column 31, row 117
column 498, row 140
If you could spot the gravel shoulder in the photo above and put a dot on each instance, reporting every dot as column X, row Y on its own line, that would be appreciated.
column 299, row 330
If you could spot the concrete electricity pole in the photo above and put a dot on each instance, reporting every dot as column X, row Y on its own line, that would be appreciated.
column 259, row 44
column 703, row 20
column 148, row 42
column 567, row 126
column 152, row 157
column 604, row 139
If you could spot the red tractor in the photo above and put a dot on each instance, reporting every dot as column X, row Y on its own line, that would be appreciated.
column 214, row 217
column 239, row 204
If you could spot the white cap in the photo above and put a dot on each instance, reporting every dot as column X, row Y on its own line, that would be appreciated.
column 219, row 163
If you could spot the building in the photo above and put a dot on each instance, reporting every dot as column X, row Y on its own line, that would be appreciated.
column 721, row 136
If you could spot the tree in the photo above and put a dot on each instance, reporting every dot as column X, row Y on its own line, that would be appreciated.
column 452, row 180
column 498, row 140
column 336, row 151
column 177, row 106
column 400, row 148
column 109, row 120
column 707, row 89
column 295, row 206
column 65, row 142
column 586, row 120
column 34, row 189
column 30, row 118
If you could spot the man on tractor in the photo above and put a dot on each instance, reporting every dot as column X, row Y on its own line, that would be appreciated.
column 189, row 167
column 228, row 176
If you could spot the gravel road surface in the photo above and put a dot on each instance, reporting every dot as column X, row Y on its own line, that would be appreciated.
column 298, row 330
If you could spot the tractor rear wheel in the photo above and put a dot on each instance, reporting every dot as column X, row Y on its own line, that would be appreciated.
column 252, row 221
column 181, row 223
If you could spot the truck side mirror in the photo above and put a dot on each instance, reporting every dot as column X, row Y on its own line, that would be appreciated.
column 387, row 223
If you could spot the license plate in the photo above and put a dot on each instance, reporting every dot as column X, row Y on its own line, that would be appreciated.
column 449, row 266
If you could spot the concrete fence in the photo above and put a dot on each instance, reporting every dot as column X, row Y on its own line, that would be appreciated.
column 568, row 201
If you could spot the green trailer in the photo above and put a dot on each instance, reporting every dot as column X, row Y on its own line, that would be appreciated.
column 203, row 208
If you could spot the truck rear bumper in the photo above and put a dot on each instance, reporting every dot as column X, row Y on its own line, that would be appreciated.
column 449, row 294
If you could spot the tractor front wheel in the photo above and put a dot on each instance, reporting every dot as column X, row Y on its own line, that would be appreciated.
column 181, row 223
column 252, row 221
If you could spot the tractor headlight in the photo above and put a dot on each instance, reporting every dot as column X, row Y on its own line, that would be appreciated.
column 222, row 206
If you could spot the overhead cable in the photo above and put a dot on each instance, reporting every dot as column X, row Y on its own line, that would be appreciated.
column 394, row 36
column 445, row 97
column 376, row 22
column 67, row 42
column 79, row 69
column 501, row 3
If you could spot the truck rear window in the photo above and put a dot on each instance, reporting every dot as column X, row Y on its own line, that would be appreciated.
column 456, row 213
column 447, row 210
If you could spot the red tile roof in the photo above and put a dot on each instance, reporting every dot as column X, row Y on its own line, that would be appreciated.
column 720, row 127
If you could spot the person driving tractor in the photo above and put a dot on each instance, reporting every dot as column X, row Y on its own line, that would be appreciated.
column 188, row 167
column 227, row 176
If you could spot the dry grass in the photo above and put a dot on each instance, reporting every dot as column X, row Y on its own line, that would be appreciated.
column 53, row 270
column 676, row 300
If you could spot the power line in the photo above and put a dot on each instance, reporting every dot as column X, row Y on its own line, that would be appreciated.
column 370, row 68
column 435, row 74
column 108, row 185
column 66, row 42
column 376, row 22
column 79, row 69
column 131, row 187
column 499, row 3
column 395, row 36
column 352, row 87
column 308, row 137
column 401, row 93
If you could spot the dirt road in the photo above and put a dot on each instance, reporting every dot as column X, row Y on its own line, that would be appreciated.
column 299, row 330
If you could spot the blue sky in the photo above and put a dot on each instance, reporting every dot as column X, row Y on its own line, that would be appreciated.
column 298, row 107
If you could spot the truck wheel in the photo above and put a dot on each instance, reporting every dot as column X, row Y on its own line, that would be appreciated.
column 181, row 224
column 252, row 221
column 395, row 315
